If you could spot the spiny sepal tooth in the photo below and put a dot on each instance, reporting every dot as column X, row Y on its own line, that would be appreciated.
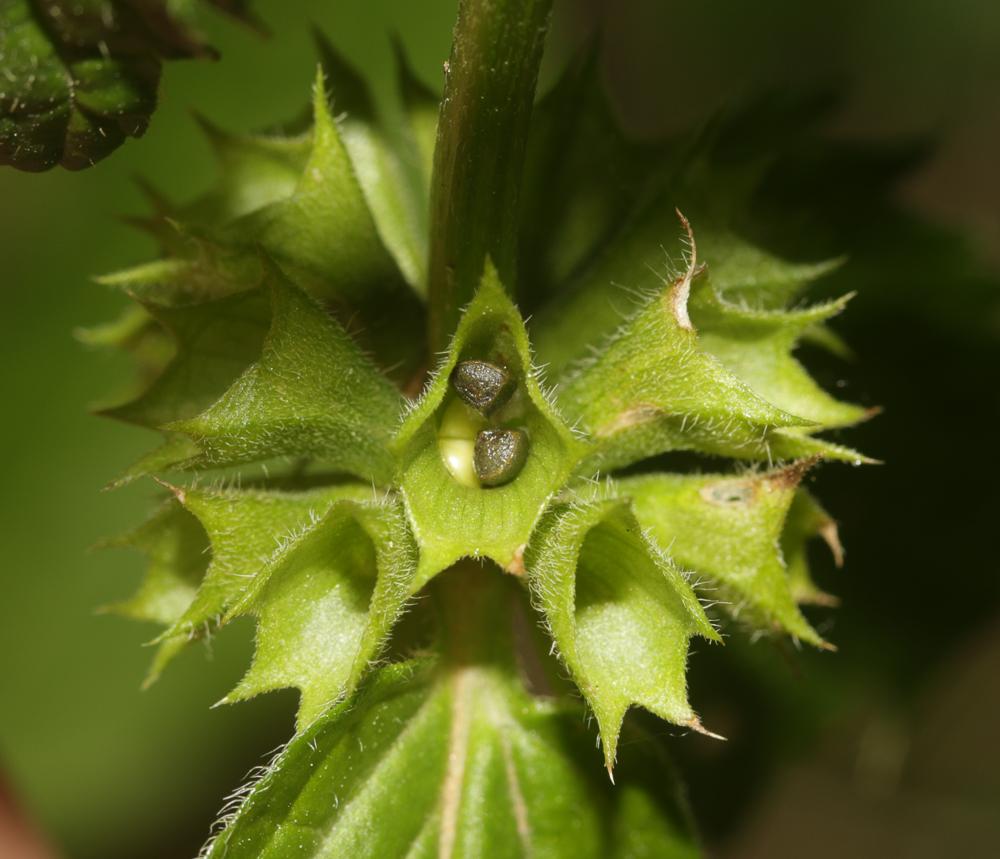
column 727, row 529
column 689, row 371
column 311, row 393
column 326, row 604
column 620, row 613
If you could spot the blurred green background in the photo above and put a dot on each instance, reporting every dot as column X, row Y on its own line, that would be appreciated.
column 890, row 745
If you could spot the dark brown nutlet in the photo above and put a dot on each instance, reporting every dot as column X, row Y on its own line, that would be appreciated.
column 499, row 455
column 483, row 385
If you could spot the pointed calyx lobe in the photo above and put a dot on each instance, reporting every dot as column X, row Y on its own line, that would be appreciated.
column 327, row 602
column 325, row 572
column 213, row 343
column 806, row 520
column 311, row 393
column 688, row 371
column 205, row 548
column 453, row 513
column 287, row 196
column 177, row 548
column 295, row 229
column 392, row 173
column 727, row 530
column 620, row 613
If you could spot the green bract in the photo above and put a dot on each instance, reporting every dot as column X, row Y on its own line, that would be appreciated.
column 311, row 393
column 452, row 520
column 620, row 613
column 326, row 603
column 728, row 528
column 282, row 343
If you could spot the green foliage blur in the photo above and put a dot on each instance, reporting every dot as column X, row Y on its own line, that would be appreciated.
column 108, row 771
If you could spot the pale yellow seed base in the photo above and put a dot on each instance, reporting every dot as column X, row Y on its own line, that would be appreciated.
column 457, row 442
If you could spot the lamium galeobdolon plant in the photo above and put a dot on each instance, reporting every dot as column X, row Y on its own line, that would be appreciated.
column 485, row 417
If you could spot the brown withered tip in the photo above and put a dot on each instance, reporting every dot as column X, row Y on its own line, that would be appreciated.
column 831, row 536
column 694, row 723
column 499, row 455
column 790, row 476
column 516, row 566
column 483, row 385
column 177, row 491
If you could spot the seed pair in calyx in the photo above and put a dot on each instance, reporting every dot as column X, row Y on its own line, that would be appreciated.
column 478, row 454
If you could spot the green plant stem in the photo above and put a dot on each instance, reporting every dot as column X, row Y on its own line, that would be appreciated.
column 473, row 602
column 485, row 619
column 479, row 156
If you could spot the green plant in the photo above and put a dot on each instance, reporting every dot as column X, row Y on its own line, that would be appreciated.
column 399, row 531
column 80, row 78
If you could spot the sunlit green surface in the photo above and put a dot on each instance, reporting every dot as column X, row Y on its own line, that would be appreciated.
column 113, row 772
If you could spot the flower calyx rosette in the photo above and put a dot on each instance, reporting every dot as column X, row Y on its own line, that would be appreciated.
column 432, row 559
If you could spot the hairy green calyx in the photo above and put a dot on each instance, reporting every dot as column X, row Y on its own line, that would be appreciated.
column 285, row 334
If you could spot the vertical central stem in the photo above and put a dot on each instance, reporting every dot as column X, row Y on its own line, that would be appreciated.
column 485, row 114
column 474, row 602
column 486, row 620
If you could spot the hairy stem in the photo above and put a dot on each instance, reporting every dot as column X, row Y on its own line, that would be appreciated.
column 479, row 156
column 473, row 602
